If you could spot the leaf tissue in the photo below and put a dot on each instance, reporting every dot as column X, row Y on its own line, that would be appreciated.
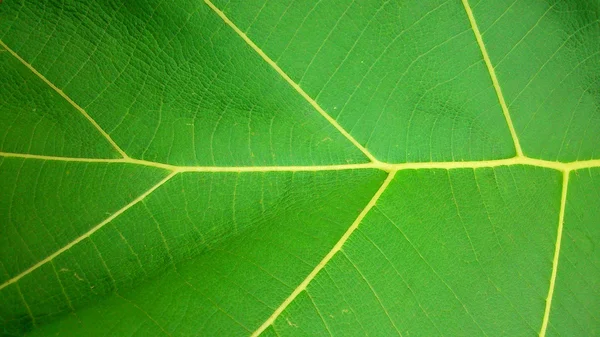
column 300, row 168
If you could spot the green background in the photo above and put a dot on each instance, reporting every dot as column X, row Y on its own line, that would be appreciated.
column 465, row 251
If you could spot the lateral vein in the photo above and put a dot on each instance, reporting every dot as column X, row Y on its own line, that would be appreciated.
column 291, row 82
column 561, row 221
column 327, row 257
column 88, row 233
column 67, row 98
column 493, row 76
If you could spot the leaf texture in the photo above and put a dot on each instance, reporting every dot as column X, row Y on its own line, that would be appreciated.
column 293, row 168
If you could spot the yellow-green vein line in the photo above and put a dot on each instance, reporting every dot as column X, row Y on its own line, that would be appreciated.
column 327, row 257
column 88, row 233
column 493, row 76
column 559, row 232
column 67, row 98
column 291, row 82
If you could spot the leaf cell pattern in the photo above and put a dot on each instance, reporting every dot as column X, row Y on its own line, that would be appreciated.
column 289, row 168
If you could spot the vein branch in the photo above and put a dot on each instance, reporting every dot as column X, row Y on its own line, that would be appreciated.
column 493, row 76
column 327, row 258
column 68, row 99
column 291, row 82
column 88, row 233
column 561, row 220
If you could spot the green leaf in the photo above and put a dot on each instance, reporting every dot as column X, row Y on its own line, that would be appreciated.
column 296, row 168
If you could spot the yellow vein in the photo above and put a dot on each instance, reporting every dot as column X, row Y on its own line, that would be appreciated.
column 291, row 82
column 583, row 164
column 576, row 165
column 67, row 98
column 59, row 158
column 492, row 72
column 561, row 220
column 309, row 168
column 88, row 233
column 180, row 168
column 327, row 257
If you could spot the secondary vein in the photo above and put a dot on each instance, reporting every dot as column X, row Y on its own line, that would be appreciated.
column 493, row 76
column 561, row 221
column 291, row 82
column 68, row 99
column 88, row 233
column 327, row 257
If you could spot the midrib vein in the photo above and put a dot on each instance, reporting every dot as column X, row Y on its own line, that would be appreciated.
column 327, row 257
column 88, row 233
column 559, row 232
column 291, row 82
column 492, row 72
column 68, row 99
column 576, row 165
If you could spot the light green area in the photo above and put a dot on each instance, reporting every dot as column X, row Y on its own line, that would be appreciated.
column 35, row 119
column 445, row 252
column 576, row 302
column 251, row 239
column 171, row 83
column 407, row 78
column 44, row 205
column 546, row 55
column 459, row 252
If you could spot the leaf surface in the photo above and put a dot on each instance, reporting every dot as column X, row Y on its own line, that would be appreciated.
column 289, row 168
